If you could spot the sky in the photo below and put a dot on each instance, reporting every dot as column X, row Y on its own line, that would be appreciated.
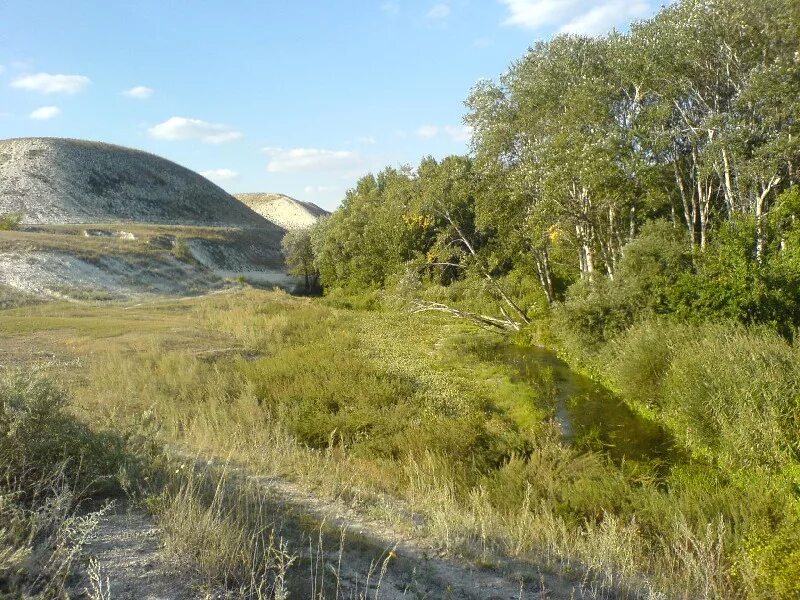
column 301, row 98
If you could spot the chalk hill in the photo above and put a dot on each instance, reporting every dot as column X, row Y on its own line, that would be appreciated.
column 106, row 222
column 52, row 181
column 284, row 211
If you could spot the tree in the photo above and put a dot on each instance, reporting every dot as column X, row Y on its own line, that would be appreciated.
column 299, row 254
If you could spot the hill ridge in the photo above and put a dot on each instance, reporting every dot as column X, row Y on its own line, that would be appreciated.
column 52, row 180
column 283, row 210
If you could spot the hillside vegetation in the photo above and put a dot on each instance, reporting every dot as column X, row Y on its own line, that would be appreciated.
column 632, row 201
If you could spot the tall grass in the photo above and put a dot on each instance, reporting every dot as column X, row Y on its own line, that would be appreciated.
column 731, row 395
column 49, row 464
column 408, row 424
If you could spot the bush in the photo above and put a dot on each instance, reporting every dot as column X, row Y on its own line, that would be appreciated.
column 10, row 221
column 595, row 312
column 182, row 251
column 725, row 388
column 730, row 283
column 47, row 463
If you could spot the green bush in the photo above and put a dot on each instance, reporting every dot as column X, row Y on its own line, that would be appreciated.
column 727, row 389
column 182, row 251
column 10, row 221
column 730, row 283
column 49, row 463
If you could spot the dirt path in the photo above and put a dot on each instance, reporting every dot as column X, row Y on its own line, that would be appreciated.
column 372, row 562
column 126, row 553
column 416, row 569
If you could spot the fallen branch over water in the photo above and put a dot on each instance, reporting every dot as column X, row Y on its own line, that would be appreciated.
column 485, row 321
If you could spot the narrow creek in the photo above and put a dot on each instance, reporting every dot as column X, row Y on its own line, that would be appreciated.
column 590, row 416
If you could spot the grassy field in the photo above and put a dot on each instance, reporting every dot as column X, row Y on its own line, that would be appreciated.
column 405, row 417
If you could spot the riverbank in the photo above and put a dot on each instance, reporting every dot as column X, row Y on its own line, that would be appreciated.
column 416, row 422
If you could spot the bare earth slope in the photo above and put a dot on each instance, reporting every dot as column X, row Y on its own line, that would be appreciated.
column 54, row 180
column 284, row 211
column 106, row 222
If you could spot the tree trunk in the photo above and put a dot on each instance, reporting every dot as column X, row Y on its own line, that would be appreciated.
column 760, row 211
column 542, row 259
column 688, row 206
column 488, row 276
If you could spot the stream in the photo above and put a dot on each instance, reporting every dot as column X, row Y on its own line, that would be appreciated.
column 590, row 416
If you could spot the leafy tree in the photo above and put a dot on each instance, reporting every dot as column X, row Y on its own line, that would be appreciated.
column 299, row 254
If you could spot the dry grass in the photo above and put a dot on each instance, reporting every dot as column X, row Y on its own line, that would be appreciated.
column 397, row 419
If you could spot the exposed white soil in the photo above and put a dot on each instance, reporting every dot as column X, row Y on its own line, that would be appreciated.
column 284, row 211
column 55, row 180
column 61, row 275
column 416, row 569
column 231, row 263
column 129, row 563
column 66, row 262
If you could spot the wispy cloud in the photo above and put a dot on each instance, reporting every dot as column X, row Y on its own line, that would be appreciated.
column 457, row 133
column 439, row 11
column 310, row 159
column 45, row 113
column 219, row 174
column 428, row 131
column 366, row 140
column 140, row 92
column 589, row 17
column 320, row 189
column 182, row 128
column 482, row 42
column 52, row 84
column 390, row 7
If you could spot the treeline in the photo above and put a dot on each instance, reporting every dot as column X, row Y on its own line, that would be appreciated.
column 651, row 172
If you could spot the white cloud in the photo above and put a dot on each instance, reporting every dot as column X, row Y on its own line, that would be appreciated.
column 482, row 42
column 390, row 7
column 428, row 131
column 366, row 140
column 50, row 84
column 439, row 11
column 317, row 189
column 310, row 159
column 45, row 113
column 588, row 17
column 182, row 128
column 140, row 92
column 457, row 133
column 219, row 174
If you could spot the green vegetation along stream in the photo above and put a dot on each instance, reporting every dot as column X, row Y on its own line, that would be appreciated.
column 591, row 416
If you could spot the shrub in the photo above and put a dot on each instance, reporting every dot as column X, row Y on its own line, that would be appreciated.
column 722, row 386
column 182, row 251
column 47, row 462
column 10, row 221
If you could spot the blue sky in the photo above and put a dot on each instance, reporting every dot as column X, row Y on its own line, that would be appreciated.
column 294, row 97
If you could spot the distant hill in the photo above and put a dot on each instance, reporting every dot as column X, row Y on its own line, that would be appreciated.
column 55, row 181
column 101, row 221
column 284, row 211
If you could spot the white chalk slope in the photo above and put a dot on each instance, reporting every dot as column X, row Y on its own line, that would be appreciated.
column 79, row 202
column 54, row 180
column 284, row 211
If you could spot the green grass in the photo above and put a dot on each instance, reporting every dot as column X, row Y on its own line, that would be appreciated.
column 363, row 405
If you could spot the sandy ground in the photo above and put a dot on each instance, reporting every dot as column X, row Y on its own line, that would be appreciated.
column 127, row 547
